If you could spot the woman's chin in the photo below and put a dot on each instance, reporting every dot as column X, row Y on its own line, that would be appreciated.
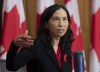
column 60, row 35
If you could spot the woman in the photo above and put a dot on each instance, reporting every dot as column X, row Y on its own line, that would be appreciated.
column 51, row 51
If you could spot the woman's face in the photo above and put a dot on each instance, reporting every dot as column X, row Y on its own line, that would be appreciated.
column 58, row 23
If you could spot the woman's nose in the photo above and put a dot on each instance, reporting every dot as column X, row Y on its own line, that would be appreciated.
column 60, row 23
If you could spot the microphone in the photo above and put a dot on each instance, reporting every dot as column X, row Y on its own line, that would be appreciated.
column 78, row 61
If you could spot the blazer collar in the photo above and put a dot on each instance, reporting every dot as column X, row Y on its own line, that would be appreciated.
column 51, row 54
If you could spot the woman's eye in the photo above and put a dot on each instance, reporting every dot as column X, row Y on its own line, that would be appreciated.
column 56, row 18
column 64, row 18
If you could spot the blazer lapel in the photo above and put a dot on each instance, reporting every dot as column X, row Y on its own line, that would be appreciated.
column 62, row 57
column 51, row 54
column 65, row 64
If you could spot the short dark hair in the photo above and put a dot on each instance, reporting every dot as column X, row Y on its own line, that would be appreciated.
column 43, row 33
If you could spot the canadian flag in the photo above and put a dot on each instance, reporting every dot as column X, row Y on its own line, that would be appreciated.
column 77, row 45
column 41, row 6
column 95, row 37
column 13, row 23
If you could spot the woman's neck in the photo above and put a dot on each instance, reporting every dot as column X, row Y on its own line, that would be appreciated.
column 55, row 43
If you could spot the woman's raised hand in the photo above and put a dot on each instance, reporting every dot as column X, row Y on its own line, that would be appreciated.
column 23, row 40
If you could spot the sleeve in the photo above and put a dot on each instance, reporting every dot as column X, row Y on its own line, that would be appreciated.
column 15, row 60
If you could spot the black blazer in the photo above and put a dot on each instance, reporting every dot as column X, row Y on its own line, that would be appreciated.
column 40, row 57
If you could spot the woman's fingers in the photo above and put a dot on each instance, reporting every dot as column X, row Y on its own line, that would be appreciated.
column 25, row 44
column 23, row 40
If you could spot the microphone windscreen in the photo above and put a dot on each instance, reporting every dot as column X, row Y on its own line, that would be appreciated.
column 78, row 61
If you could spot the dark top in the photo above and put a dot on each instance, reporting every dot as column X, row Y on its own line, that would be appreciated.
column 40, row 57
